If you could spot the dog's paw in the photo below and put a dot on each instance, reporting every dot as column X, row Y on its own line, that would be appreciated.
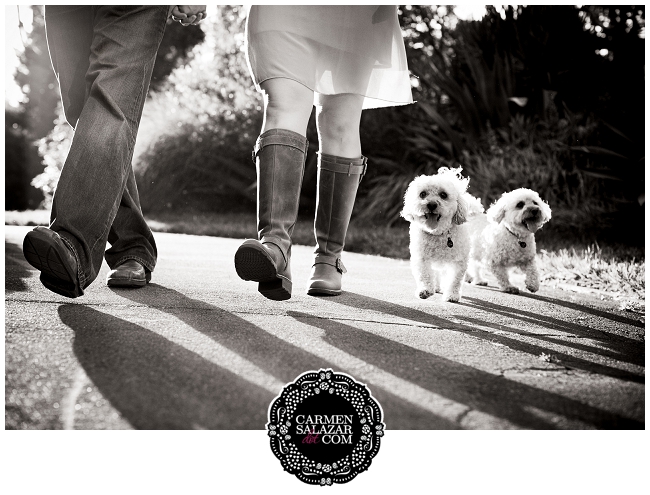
column 511, row 290
column 423, row 294
column 482, row 283
column 451, row 298
column 532, row 287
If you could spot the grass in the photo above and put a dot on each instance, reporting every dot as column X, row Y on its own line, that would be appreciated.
column 612, row 272
column 391, row 242
column 605, row 271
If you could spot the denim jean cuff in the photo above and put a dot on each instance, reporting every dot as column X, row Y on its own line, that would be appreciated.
column 147, row 263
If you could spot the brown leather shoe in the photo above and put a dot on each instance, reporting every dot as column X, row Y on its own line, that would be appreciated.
column 129, row 274
column 45, row 250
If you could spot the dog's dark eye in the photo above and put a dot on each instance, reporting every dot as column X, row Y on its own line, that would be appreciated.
column 535, row 203
column 423, row 194
column 443, row 195
column 520, row 205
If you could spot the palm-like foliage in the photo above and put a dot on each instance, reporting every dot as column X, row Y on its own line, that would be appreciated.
column 515, row 100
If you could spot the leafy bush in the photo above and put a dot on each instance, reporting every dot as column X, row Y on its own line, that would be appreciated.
column 16, row 143
column 499, row 97
column 53, row 150
column 197, row 132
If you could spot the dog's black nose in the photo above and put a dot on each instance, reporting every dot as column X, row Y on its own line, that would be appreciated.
column 432, row 206
column 534, row 211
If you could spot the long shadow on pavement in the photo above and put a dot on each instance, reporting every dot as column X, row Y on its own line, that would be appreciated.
column 277, row 357
column 585, row 309
column 482, row 391
column 364, row 302
column 622, row 348
column 157, row 384
column 15, row 269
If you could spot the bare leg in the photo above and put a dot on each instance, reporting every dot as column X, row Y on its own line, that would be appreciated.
column 287, row 105
column 338, row 118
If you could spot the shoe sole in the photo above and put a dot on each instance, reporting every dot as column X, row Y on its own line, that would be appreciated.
column 323, row 292
column 277, row 290
column 254, row 264
column 45, row 251
column 116, row 282
column 129, row 283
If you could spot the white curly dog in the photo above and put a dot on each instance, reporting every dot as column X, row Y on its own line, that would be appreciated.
column 437, row 206
column 504, row 238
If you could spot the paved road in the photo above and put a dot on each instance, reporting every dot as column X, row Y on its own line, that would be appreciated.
column 200, row 349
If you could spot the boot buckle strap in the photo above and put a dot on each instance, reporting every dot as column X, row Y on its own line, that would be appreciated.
column 289, row 141
column 353, row 168
column 343, row 165
column 328, row 260
column 365, row 167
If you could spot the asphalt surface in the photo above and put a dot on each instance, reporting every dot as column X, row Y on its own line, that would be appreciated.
column 198, row 348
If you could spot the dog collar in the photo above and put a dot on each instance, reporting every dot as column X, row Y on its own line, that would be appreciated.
column 521, row 243
column 450, row 243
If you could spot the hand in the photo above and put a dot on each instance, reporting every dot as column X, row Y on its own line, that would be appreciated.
column 188, row 15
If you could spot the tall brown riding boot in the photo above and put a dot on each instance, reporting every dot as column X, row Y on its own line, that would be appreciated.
column 279, row 156
column 338, row 180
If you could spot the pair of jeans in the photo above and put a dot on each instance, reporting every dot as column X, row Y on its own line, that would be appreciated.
column 103, row 57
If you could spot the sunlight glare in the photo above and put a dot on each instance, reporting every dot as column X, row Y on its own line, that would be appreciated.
column 13, row 48
column 469, row 12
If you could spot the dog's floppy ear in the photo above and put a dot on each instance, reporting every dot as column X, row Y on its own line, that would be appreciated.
column 407, row 212
column 406, row 216
column 474, row 206
column 461, row 210
column 497, row 211
column 545, row 209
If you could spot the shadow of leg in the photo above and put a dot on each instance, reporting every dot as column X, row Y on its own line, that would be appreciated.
column 157, row 384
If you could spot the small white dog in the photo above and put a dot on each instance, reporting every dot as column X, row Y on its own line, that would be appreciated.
column 504, row 238
column 437, row 206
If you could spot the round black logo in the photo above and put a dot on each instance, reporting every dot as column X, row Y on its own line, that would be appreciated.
column 325, row 427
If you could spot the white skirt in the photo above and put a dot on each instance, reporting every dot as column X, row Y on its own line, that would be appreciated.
column 331, row 49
